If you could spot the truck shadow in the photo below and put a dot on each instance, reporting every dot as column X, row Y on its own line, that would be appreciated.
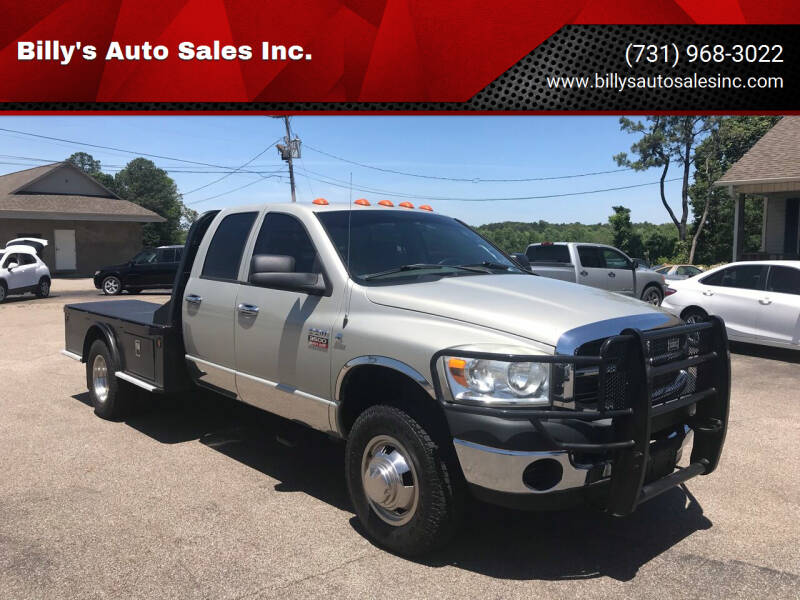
column 582, row 543
column 505, row 544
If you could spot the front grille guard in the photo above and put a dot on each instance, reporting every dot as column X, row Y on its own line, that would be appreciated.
column 635, row 418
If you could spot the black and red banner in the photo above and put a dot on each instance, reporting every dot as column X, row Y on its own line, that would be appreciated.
column 402, row 55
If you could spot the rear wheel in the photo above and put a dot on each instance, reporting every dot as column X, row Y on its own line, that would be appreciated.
column 3, row 292
column 43, row 289
column 402, row 486
column 112, row 285
column 110, row 399
column 652, row 295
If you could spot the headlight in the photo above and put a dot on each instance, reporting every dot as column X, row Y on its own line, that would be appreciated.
column 498, row 383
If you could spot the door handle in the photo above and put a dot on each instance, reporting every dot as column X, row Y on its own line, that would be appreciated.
column 584, row 273
column 193, row 299
column 612, row 274
column 248, row 309
column 764, row 301
column 707, row 293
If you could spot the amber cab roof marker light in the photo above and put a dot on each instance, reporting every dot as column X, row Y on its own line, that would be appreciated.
column 406, row 205
column 385, row 203
column 362, row 202
column 320, row 202
column 426, row 207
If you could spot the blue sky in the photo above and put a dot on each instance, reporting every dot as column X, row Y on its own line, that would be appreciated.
column 464, row 147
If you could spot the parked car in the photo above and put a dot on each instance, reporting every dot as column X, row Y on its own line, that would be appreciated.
column 22, row 270
column 446, row 368
column 759, row 301
column 675, row 272
column 596, row 265
column 152, row 268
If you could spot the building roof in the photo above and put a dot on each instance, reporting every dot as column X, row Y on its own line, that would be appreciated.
column 16, row 201
column 775, row 157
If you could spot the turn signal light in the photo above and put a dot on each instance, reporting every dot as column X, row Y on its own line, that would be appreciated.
column 406, row 205
column 320, row 202
column 425, row 207
column 456, row 366
column 386, row 203
column 362, row 202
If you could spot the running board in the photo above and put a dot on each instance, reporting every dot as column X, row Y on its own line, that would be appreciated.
column 72, row 355
column 137, row 382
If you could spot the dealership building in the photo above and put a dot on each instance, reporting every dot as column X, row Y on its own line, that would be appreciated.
column 87, row 226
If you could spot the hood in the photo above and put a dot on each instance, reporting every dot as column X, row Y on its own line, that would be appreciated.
column 537, row 308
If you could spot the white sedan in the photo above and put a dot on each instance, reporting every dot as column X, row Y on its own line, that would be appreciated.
column 759, row 300
column 21, row 269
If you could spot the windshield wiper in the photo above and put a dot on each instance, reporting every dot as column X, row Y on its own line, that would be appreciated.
column 419, row 267
column 488, row 264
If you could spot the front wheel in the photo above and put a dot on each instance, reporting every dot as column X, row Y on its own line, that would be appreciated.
column 112, row 285
column 694, row 315
column 3, row 291
column 403, row 488
column 652, row 295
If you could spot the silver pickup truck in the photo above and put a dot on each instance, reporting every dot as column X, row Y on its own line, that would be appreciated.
column 449, row 371
column 596, row 265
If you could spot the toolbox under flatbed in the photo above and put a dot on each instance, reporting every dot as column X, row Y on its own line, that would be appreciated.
column 147, row 348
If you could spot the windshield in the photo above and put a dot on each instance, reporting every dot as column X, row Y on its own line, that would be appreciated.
column 385, row 243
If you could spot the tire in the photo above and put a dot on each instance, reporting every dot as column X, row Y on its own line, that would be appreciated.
column 652, row 295
column 43, row 289
column 111, row 286
column 110, row 399
column 427, row 515
column 3, row 291
column 694, row 315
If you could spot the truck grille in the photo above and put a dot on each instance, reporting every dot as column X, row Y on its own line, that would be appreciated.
column 590, row 393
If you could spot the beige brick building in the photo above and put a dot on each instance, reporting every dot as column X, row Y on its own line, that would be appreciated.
column 87, row 226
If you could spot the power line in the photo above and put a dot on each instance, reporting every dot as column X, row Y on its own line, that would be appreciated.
column 234, row 171
column 461, row 179
column 114, row 149
column 241, row 187
column 345, row 185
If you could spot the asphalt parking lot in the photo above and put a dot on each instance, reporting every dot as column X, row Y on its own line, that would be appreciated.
column 196, row 498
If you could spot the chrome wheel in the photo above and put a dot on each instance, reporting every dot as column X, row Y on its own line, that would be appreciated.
column 652, row 296
column 111, row 286
column 100, row 378
column 389, row 480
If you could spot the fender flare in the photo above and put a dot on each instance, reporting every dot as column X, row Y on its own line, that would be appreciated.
column 381, row 361
column 107, row 335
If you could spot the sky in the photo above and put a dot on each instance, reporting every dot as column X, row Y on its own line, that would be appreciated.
column 470, row 148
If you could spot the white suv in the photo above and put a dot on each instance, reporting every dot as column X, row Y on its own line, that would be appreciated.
column 21, row 269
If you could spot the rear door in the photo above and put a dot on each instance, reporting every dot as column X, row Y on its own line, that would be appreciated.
column 779, row 309
column 734, row 293
column 283, row 336
column 209, row 302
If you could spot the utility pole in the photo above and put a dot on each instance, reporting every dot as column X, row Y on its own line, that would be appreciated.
column 288, row 152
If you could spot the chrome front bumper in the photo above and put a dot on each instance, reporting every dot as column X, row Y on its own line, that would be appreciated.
column 502, row 470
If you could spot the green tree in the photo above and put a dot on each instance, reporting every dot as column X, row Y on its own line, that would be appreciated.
column 713, row 208
column 665, row 141
column 143, row 183
column 623, row 235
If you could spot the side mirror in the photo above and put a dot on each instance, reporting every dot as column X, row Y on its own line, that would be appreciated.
column 521, row 260
column 12, row 265
column 277, row 271
column 635, row 264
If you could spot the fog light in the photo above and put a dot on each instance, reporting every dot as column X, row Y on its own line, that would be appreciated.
column 543, row 474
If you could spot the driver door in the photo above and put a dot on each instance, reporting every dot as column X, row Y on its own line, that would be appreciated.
column 282, row 336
